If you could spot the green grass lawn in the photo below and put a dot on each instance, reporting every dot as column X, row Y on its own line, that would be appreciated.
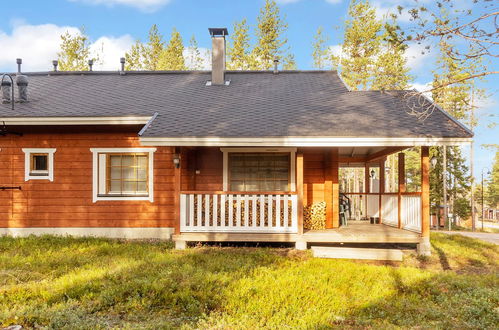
column 98, row 283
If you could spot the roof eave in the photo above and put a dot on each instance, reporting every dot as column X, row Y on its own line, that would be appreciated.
column 305, row 141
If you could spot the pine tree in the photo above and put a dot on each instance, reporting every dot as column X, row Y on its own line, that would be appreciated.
column 319, row 52
column 271, row 41
column 238, row 52
column 75, row 52
column 153, row 50
column 145, row 57
column 361, row 45
column 134, row 57
column 194, row 60
column 391, row 71
column 172, row 57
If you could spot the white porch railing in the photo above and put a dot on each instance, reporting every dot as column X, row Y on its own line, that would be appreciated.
column 263, row 212
column 390, row 210
column 368, row 205
column 411, row 213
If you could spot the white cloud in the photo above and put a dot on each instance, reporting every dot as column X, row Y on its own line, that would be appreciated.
column 334, row 1
column 110, row 50
column 417, row 55
column 144, row 5
column 38, row 45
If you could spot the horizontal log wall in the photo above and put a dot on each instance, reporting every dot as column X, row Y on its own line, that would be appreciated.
column 67, row 201
column 313, row 176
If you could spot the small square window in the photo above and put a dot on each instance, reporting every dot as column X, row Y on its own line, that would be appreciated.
column 39, row 164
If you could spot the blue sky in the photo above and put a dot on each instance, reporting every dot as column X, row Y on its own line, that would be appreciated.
column 30, row 29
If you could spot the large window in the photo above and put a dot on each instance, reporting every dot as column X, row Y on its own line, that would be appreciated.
column 126, row 174
column 123, row 174
column 259, row 171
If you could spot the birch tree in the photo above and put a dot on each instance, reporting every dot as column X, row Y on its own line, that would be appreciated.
column 74, row 51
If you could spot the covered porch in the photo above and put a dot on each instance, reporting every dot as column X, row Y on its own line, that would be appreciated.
column 210, row 209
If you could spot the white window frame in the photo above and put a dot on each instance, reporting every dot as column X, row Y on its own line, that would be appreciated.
column 95, row 174
column 292, row 165
column 50, row 163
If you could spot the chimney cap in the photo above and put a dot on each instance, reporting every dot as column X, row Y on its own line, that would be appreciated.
column 216, row 32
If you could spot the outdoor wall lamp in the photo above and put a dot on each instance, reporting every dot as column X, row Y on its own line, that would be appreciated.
column 176, row 160
column 373, row 173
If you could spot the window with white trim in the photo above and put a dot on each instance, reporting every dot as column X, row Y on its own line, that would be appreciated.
column 259, row 169
column 123, row 174
column 39, row 163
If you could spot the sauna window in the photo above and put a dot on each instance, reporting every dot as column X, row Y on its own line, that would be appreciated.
column 39, row 164
column 259, row 171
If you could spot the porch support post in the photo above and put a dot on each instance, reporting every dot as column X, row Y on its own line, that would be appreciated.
column 424, row 247
column 328, row 188
column 177, row 181
column 299, row 190
column 401, row 188
column 381, row 187
column 335, row 168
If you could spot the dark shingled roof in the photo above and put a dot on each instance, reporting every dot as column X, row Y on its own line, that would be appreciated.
column 254, row 104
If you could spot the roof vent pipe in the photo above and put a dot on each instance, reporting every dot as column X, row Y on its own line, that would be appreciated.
column 122, row 61
column 218, row 55
column 276, row 66
column 55, row 63
column 22, row 87
column 90, row 64
column 6, row 90
column 19, row 61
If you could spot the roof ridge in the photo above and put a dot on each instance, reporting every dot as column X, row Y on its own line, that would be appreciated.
column 159, row 72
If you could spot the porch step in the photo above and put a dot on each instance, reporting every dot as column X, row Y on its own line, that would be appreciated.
column 356, row 253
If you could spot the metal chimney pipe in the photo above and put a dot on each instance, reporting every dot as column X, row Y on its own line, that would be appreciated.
column 122, row 61
column 90, row 64
column 276, row 66
column 19, row 61
column 55, row 63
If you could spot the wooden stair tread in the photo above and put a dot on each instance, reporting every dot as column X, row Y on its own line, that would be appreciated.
column 357, row 253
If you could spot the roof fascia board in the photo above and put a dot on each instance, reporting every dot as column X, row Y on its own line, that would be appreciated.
column 303, row 141
column 33, row 121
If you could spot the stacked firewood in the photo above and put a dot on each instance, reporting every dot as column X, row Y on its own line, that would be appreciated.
column 314, row 216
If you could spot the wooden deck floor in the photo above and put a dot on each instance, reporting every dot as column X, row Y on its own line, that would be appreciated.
column 362, row 232
column 355, row 232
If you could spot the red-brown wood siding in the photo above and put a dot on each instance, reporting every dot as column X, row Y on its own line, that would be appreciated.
column 67, row 201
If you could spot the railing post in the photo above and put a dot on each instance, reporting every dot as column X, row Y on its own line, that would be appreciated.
column 183, row 211
column 401, row 186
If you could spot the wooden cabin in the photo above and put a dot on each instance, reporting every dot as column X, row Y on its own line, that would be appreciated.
column 213, row 156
